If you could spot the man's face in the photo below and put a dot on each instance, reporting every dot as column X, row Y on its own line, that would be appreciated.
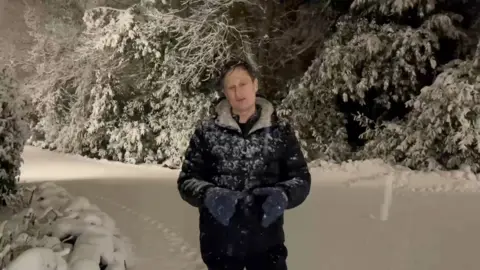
column 240, row 89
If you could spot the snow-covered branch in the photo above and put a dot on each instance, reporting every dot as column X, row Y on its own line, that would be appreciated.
column 388, row 7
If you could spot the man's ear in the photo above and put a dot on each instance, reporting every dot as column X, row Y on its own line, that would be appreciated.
column 255, row 84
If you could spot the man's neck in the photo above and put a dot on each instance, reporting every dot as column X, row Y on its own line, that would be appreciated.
column 245, row 115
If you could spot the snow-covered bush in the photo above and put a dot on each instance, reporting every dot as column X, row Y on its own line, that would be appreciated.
column 318, row 123
column 154, row 91
column 443, row 128
column 58, row 231
column 131, row 83
column 135, row 85
column 13, row 132
column 390, row 7
column 370, row 66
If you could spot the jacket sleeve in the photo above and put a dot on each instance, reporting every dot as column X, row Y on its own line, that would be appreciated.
column 297, row 178
column 193, row 180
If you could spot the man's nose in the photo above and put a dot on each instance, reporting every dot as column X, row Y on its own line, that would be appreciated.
column 238, row 95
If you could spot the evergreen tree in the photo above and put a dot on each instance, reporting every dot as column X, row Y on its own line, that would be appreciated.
column 380, row 57
column 13, row 132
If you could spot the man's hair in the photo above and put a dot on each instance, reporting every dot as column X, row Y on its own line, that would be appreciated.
column 233, row 64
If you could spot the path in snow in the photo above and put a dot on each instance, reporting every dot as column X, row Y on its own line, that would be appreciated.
column 336, row 229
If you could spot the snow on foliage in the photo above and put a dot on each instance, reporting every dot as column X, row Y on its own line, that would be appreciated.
column 358, row 58
column 133, row 84
column 13, row 132
column 137, row 83
column 388, row 7
column 57, row 231
column 372, row 65
column 318, row 123
column 374, row 57
column 443, row 129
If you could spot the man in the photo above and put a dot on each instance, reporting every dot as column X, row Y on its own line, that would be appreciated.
column 243, row 169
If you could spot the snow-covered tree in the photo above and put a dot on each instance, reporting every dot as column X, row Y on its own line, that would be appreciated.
column 13, row 132
column 443, row 129
column 133, row 84
column 379, row 58
column 319, row 124
column 136, row 84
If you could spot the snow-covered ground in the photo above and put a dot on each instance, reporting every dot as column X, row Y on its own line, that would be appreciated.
column 44, row 165
column 360, row 215
column 51, row 229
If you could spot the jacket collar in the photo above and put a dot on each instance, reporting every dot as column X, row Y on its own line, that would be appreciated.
column 226, row 119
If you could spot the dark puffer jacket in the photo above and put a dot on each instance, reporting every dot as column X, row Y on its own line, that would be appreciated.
column 266, row 155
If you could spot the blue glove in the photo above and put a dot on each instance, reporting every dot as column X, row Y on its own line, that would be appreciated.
column 221, row 203
column 274, row 204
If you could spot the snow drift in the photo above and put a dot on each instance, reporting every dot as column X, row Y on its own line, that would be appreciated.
column 58, row 231
column 377, row 173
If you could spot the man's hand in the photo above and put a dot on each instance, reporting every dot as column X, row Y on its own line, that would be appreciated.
column 274, row 204
column 221, row 203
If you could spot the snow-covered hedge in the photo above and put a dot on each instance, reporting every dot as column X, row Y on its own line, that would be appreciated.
column 133, row 82
column 140, row 90
column 443, row 129
column 13, row 132
column 55, row 230
column 374, row 66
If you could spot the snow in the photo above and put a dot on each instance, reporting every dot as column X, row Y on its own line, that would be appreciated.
column 53, row 166
column 37, row 235
column 375, row 173
column 420, row 221
column 410, row 220
column 368, row 173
